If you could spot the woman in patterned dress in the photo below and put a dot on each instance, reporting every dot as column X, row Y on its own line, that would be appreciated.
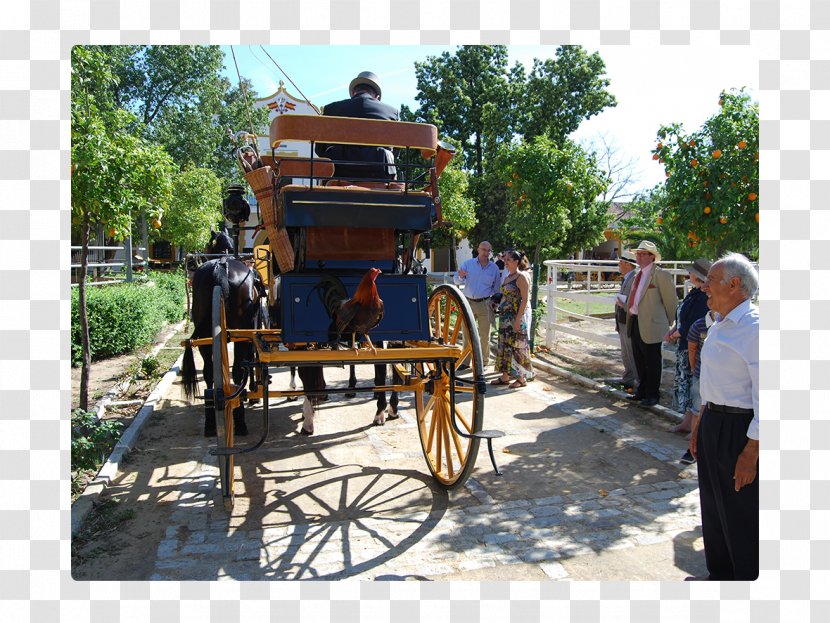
column 514, row 322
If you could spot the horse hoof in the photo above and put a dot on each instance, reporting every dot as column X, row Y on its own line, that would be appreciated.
column 305, row 432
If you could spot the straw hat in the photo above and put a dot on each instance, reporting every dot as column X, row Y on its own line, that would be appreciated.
column 700, row 268
column 648, row 245
column 368, row 78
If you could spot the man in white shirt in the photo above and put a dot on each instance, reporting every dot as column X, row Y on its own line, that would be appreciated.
column 725, row 437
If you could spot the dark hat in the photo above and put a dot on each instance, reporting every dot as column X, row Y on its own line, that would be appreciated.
column 700, row 268
column 368, row 78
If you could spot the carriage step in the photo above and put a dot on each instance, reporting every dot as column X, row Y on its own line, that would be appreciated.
column 490, row 435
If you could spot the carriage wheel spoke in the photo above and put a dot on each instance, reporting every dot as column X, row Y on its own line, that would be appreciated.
column 464, row 421
column 446, row 440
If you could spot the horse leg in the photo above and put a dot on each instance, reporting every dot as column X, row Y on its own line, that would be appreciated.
column 308, row 417
column 392, row 411
column 207, row 372
column 313, row 381
column 380, row 379
column 352, row 382
column 292, row 384
column 242, row 351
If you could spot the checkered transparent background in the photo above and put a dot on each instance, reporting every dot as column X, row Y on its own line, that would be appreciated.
column 793, row 47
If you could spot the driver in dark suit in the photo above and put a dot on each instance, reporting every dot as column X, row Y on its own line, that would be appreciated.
column 364, row 103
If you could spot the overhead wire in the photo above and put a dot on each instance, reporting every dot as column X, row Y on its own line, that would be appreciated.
column 317, row 110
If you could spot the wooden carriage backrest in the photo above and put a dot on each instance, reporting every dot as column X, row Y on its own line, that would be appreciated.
column 350, row 131
column 293, row 166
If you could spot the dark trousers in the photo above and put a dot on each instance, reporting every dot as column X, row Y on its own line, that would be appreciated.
column 648, row 358
column 730, row 518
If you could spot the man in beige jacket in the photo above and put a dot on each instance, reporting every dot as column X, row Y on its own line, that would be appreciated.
column 651, row 306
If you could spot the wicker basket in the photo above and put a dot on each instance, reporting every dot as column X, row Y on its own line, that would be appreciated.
column 262, row 183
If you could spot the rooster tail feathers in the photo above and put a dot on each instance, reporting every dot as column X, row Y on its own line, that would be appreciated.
column 332, row 293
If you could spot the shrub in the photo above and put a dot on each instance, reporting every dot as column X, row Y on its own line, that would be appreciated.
column 125, row 316
column 92, row 439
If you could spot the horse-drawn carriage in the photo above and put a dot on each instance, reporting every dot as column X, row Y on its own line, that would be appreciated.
column 327, row 235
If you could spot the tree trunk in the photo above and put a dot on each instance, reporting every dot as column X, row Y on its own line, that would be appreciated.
column 82, row 316
column 534, row 293
column 453, row 254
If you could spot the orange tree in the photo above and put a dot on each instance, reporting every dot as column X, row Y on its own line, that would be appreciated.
column 115, row 174
column 552, row 197
column 711, row 188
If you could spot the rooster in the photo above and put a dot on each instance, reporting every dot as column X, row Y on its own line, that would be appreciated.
column 356, row 315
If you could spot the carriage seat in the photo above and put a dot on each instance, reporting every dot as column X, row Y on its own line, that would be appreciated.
column 351, row 131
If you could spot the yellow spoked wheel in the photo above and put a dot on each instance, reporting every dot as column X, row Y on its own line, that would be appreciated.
column 444, row 409
column 222, row 381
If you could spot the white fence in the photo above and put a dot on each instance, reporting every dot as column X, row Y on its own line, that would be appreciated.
column 595, row 283
column 106, row 263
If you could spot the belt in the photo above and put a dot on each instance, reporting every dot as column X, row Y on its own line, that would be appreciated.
column 726, row 409
column 477, row 300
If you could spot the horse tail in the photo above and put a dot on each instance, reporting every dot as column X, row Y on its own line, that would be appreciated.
column 220, row 277
column 189, row 383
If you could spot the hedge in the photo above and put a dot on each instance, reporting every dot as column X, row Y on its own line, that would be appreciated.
column 125, row 316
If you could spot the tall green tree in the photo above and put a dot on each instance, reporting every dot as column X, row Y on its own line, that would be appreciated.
column 711, row 188
column 182, row 102
column 116, row 175
column 475, row 98
column 562, row 92
column 468, row 96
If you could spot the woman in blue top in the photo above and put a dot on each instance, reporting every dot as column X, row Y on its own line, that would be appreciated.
column 691, row 308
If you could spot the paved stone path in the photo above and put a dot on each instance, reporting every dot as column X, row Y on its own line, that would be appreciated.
column 591, row 490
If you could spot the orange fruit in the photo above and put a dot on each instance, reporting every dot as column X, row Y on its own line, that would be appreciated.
column 741, row 144
column 662, row 160
column 752, row 196
column 509, row 183
column 659, row 220
column 707, row 210
column 717, row 153
column 692, row 143
column 693, row 163
column 156, row 223
column 113, row 232
column 655, row 156
column 756, row 217
column 723, row 220
column 659, row 145
column 515, row 175
column 720, row 102
column 668, row 174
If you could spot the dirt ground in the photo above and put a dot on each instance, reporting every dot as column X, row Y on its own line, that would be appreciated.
column 166, row 473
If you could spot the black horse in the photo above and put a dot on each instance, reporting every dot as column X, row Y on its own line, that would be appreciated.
column 242, row 290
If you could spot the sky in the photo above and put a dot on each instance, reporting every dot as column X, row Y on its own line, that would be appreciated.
column 653, row 85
